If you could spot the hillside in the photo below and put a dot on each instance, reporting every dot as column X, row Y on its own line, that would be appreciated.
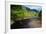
column 19, row 12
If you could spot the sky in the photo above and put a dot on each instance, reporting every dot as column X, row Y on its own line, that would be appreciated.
column 34, row 7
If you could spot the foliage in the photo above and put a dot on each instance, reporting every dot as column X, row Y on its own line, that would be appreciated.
column 20, row 12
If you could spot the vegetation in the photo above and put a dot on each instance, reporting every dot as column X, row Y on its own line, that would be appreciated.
column 19, row 12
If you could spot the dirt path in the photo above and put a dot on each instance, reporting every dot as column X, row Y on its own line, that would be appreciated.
column 27, row 23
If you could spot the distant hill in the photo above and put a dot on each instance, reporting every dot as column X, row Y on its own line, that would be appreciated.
column 34, row 10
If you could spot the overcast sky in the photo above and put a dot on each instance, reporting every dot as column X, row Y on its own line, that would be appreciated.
column 34, row 7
